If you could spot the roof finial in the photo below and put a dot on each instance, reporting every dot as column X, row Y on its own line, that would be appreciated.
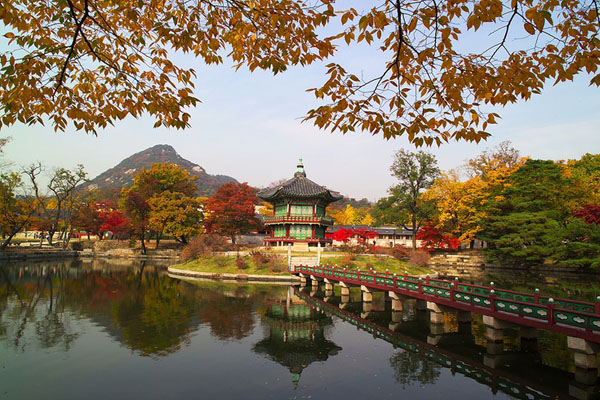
column 300, row 169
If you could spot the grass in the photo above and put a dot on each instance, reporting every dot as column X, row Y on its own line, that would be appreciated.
column 379, row 264
column 227, row 265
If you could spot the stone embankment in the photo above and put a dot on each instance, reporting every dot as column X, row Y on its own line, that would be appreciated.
column 35, row 255
column 166, row 254
column 470, row 264
column 182, row 273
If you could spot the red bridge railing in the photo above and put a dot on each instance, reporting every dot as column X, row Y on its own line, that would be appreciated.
column 571, row 317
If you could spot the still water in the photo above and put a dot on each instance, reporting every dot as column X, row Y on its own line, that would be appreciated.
column 104, row 330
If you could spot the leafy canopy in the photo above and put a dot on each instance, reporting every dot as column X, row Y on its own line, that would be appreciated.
column 95, row 62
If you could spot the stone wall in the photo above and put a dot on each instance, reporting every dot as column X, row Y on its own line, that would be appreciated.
column 472, row 264
column 468, row 263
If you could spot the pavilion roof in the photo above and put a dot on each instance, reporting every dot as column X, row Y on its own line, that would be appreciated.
column 299, row 187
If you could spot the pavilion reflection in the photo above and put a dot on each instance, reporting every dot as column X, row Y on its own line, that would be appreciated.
column 295, row 336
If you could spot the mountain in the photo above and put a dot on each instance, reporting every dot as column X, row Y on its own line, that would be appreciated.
column 122, row 174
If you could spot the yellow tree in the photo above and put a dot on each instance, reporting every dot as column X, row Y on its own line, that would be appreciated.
column 94, row 62
column 175, row 214
column 348, row 216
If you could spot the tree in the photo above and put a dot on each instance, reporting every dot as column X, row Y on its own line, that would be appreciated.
column 152, row 183
column 175, row 214
column 524, row 221
column 96, row 62
column 415, row 172
column 230, row 211
column 15, row 212
column 56, row 206
column 503, row 156
column 432, row 238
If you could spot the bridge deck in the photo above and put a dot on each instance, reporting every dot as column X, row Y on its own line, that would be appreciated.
column 570, row 317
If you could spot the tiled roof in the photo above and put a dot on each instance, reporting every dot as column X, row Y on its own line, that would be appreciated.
column 299, row 187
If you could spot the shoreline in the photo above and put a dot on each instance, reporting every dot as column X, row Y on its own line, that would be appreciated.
column 232, row 277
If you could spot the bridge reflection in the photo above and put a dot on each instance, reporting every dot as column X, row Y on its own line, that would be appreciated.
column 451, row 344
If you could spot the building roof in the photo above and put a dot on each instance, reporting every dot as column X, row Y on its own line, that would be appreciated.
column 299, row 187
column 381, row 230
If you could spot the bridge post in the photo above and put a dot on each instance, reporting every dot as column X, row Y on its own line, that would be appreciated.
column 303, row 280
column 367, row 307
column 396, row 301
column 436, row 315
column 494, row 328
column 345, row 289
column 367, row 295
column 584, row 352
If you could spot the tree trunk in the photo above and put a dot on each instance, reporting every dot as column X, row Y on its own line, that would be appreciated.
column 7, row 241
column 158, row 236
column 143, row 243
column 414, row 232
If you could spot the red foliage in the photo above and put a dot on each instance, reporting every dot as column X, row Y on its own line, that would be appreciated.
column 345, row 234
column 116, row 222
column 230, row 211
column 590, row 213
column 433, row 238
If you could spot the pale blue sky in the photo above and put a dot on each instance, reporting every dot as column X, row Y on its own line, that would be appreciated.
column 248, row 127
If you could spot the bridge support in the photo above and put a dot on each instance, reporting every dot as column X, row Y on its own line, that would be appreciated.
column 345, row 290
column 367, row 295
column 367, row 307
column 584, row 352
column 328, row 288
column 303, row 280
column 396, row 301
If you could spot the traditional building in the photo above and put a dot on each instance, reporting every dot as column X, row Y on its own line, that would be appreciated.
column 298, row 211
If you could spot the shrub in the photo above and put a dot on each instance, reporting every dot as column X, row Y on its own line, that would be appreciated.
column 419, row 257
column 399, row 252
column 276, row 264
column 204, row 245
column 241, row 263
column 347, row 259
column 261, row 259
column 220, row 261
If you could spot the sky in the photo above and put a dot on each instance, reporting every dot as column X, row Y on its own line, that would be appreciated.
column 249, row 126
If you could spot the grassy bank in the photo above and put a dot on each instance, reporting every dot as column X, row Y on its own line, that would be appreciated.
column 379, row 264
column 231, row 265
column 272, row 265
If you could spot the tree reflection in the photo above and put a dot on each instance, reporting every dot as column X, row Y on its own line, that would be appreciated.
column 410, row 368
column 143, row 309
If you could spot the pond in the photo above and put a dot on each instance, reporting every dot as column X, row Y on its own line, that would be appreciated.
column 108, row 329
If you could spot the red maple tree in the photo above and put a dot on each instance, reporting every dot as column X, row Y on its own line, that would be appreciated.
column 230, row 211
column 433, row 238
column 590, row 213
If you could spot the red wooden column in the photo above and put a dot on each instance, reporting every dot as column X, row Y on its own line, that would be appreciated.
column 313, row 231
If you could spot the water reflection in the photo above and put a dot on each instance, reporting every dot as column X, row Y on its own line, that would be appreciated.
column 129, row 324
column 514, row 367
column 295, row 336
column 139, row 306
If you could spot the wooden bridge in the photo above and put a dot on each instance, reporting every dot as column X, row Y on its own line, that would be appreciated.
column 500, row 308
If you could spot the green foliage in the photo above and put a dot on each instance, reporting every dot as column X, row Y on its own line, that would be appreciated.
column 405, row 206
column 529, row 220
